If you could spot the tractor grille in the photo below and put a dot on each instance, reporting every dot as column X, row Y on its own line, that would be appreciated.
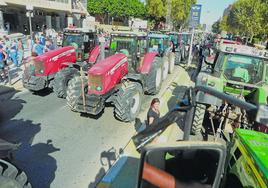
column 95, row 82
column 39, row 67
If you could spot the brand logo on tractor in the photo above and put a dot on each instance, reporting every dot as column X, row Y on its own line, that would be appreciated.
column 111, row 72
column 62, row 54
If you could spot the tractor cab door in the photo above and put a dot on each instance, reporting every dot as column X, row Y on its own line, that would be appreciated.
column 89, row 42
column 141, row 50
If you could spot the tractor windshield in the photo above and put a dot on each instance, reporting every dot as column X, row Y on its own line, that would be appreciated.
column 74, row 40
column 156, row 44
column 243, row 68
column 126, row 45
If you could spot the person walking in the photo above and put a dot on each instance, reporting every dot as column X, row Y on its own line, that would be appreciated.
column 13, row 52
column 3, row 58
column 20, row 51
column 38, row 49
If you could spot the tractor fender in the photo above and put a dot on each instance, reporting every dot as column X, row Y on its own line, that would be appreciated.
column 135, row 78
column 147, row 62
column 94, row 54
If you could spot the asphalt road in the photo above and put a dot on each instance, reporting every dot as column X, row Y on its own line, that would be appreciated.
column 60, row 148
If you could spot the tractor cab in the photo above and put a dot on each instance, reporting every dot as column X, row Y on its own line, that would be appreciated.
column 158, row 43
column 132, row 44
column 83, row 40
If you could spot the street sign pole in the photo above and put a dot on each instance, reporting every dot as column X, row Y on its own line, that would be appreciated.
column 194, row 22
column 191, row 48
column 29, row 13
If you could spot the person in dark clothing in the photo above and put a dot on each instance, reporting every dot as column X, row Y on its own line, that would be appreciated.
column 154, row 113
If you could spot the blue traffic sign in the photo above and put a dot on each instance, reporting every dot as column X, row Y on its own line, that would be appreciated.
column 195, row 15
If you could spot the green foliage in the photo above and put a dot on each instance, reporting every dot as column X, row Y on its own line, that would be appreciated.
column 180, row 9
column 216, row 27
column 156, row 8
column 247, row 17
column 118, row 8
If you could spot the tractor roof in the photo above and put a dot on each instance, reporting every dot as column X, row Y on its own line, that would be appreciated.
column 243, row 50
column 129, row 34
column 256, row 146
column 159, row 36
column 78, row 30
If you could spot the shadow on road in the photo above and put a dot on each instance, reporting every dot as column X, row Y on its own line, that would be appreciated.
column 32, row 158
column 107, row 158
column 44, row 92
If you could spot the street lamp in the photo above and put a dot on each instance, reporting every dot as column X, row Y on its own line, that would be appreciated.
column 29, row 14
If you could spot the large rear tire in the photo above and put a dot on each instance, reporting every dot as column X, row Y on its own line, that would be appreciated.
column 171, row 62
column 198, row 119
column 11, row 177
column 153, row 81
column 74, row 91
column 128, row 101
column 62, row 79
column 165, row 67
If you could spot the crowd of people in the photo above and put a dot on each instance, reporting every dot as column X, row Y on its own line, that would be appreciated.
column 12, row 51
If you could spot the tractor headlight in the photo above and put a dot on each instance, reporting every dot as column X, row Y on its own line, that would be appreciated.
column 98, row 88
column 41, row 71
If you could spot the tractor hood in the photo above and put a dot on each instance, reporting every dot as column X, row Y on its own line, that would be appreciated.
column 108, row 64
column 256, row 146
column 54, row 54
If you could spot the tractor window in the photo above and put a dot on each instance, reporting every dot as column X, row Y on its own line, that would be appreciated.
column 142, row 46
column 122, row 45
column 266, row 75
column 156, row 44
column 72, row 39
column 219, row 63
column 244, row 68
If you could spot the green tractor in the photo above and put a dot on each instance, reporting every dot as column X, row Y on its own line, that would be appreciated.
column 242, row 162
column 237, row 70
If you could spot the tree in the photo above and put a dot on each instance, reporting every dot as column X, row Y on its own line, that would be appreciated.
column 156, row 9
column 247, row 17
column 116, row 8
column 216, row 27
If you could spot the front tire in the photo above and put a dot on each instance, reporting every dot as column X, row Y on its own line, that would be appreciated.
column 74, row 91
column 11, row 177
column 62, row 79
column 198, row 119
column 128, row 101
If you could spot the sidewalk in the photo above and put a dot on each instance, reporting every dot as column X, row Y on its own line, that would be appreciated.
column 13, row 82
column 125, row 169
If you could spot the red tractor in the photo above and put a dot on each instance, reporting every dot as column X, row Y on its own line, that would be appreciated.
column 80, row 49
column 120, row 79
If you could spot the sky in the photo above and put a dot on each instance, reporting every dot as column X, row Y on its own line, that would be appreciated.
column 212, row 10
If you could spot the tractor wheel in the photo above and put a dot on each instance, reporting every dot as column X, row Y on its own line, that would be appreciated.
column 171, row 62
column 12, row 177
column 198, row 119
column 62, row 79
column 154, row 80
column 128, row 102
column 74, row 91
column 165, row 67
column 177, row 58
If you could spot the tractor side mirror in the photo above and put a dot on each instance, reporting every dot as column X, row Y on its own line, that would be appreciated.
column 181, row 163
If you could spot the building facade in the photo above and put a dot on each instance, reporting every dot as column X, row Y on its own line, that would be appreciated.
column 56, row 14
